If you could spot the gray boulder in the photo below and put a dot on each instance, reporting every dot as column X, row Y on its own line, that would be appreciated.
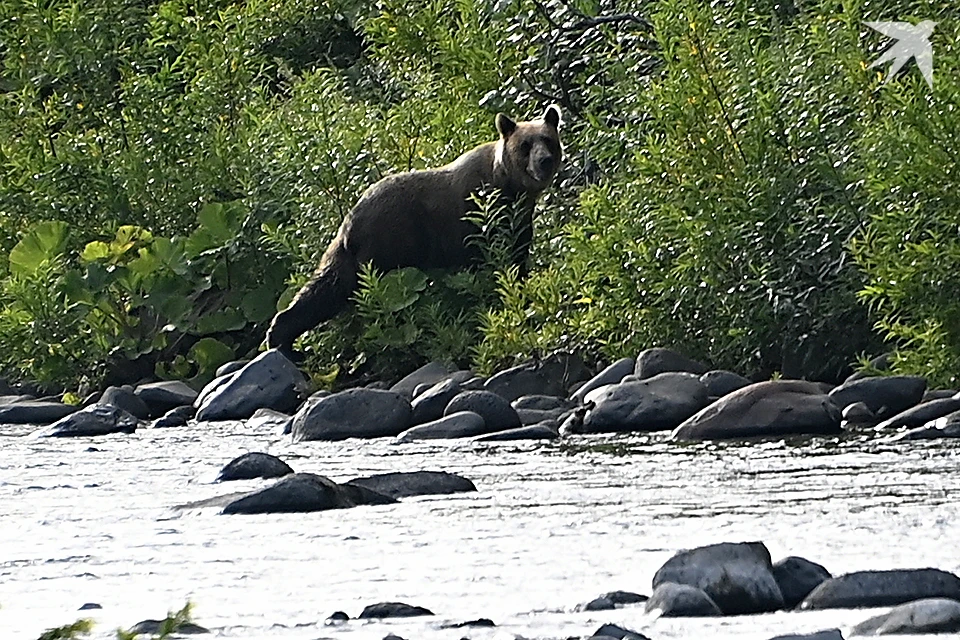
column 354, row 413
column 884, row 396
column 882, row 589
column 720, row 383
column 921, row 414
column 430, row 373
column 157, row 627
column 495, row 410
column 161, row 397
column 738, row 577
column 178, row 417
column 765, row 409
column 462, row 424
column 534, row 416
column 539, row 431
column 392, row 610
column 34, row 412
column 95, row 420
column 826, row 634
column 429, row 405
column 403, row 484
column 652, row 362
column 931, row 615
column 230, row 367
column 254, row 465
column 655, row 404
column 542, row 403
column 858, row 414
column 551, row 376
column 613, row 600
column 124, row 398
column 797, row 577
column 270, row 380
column 611, row 375
column 617, row 633
column 674, row 600
column 304, row 492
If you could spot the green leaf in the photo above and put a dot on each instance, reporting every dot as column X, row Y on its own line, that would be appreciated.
column 96, row 250
column 220, row 220
column 259, row 304
column 209, row 354
column 220, row 321
column 43, row 242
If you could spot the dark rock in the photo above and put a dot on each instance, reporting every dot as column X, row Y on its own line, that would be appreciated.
column 429, row 405
column 534, row 416
column 153, row 627
column 655, row 404
column 766, row 409
column 858, row 414
column 96, row 420
column 34, row 412
column 611, row 375
column 87, row 606
column 124, row 398
column 550, row 376
column 652, row 362
column 931, row 615
column 392, row 636
column 254, row 465
column 618, row 633
column 462, row 424
column 393, row 610
column 495, row 410
column 474, row 384
column 612, row 600
column 886, row 396
column 161, row 397
column 10, row 399
column 573, row 423
column 882, row 589
column 720, row 383
column 268, row 381
column 541, row 403
column 738, row 577
column 430, row 373
column 274, row 421
column 230, row 367
column 305, row 492
column 178, row 417
column 337, row 617
column 797, row 577
column 479, row 622
column 540, row 431
column 674, row 600
column 354, row 413
column 826, row 634
column 937, row 394
column 415, row 483
column 921, row 414
column 946, row 427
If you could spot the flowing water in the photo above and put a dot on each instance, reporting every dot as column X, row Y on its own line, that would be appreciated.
column 551, row 526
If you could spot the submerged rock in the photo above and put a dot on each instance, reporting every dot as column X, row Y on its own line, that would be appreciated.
column 738, row 577
column 797, row 577
column 414, row 483
column 268, row 381
column 254, row 465
column 354, row 413
column 931, row 615
column 882, row 589
column 305, row 492
column 612, row 600
column 393, row 610
column 154, row 627
column 95, row 420
column 617, row 633
column 674, row 600
column 659, row 403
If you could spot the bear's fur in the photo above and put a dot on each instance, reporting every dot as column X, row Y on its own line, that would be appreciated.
column 416, row 219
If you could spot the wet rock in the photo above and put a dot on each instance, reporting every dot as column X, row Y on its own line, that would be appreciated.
column 674, row 600
column 882, row 589
column 573, row 423
column 656, row 404
column 34, row 412
column 154, row 627
column 95, row 420
column 765, row 409
column 415, row 483
column 354, row 413
column 720, row 383
column 612, row 600
column 946, row 427
column 495, row 410
column 268, row 381
column 393, row 610
column 534, row 416
column 230, row 367
column 539, row 431
column 885, row 396
column 738, row 577
column 797, row 577
column 305, row 492
column 124, row 398
column 336, row 618
column 429, row 405
column 11, row 399
column 268, row 419
column 921, row 414
column 652, row 362
column 613, row 374
column 178, row 417
column 161, row 397
column 937, row 394
column 617, row 633
column 479, row 622
column 392, row 636
column 88, row 606
column 462, row 424
column 932, row 615
column 826, row 634
column 858, row 414
column 254, row 465
column 541, row 403
column 430, row 373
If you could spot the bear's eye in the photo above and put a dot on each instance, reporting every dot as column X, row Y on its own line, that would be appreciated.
column 525, row 147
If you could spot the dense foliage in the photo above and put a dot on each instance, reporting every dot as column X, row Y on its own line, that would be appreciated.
column 739, row 184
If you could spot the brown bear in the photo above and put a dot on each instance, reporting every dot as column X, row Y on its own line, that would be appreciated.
column 416, row 219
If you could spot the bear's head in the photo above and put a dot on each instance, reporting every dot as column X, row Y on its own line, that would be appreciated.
column 529, row 152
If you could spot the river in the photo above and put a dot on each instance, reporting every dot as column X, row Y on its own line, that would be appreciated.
column 551, row 526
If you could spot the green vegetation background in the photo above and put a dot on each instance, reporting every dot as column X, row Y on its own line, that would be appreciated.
column 739, row 184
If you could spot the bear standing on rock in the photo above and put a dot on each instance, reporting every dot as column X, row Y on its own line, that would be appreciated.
column 416, row 219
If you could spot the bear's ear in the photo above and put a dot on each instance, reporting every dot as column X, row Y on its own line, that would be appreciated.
column 505, row 125
column 552, row 116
